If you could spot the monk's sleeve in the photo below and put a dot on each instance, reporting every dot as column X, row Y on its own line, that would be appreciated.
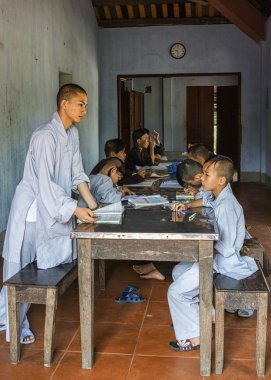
column 59, row 205
column 78, row 173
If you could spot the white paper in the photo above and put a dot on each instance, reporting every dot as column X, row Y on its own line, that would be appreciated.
column 146, row 183
column 148, row 200
column 170, row 184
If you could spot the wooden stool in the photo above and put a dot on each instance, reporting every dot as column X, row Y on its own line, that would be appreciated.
column 38, row 286
column 249, row 293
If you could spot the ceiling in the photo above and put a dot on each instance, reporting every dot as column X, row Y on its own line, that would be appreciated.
column 131, row 13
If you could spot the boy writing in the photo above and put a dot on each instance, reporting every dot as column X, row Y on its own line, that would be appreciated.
column 103, row 185
column 183, row 293
column 137, row 155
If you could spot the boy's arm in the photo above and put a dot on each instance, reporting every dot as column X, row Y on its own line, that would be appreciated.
column 85, row 193
column 186, row 206
column 228, row 227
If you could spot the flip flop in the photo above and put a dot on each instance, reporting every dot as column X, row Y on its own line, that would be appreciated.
column 130, row 298
column 2, row 327
column 130, row 289
column 183, row 345
column 24, row 334
column 245, row 313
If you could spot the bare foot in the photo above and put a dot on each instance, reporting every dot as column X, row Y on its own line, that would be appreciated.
column 153, row 275
column 195, row 341
column 144, row 269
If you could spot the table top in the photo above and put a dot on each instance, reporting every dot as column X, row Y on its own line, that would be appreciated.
column 156, row 223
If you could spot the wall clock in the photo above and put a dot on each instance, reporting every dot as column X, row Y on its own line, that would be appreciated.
column 177, row 50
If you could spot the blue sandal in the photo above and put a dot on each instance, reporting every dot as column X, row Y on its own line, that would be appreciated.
column 130, row 298
column 130, row 289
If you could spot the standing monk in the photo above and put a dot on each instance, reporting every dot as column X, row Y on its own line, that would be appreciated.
column 41, row 213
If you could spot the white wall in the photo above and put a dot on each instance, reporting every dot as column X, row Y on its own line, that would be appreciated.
column 37, row 40
column 210, row 49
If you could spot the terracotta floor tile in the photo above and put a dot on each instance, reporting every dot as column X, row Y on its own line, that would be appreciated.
column 161, row 368
column 30, row 367
column 240, row 343
column 110, row 311
column 159, row 291
column 235, row 322
column 68, row 310
column 154, row 341
column 111, row 367
column 111, row 338
column 157, row 314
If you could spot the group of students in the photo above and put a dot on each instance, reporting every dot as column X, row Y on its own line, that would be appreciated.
column 43, row 207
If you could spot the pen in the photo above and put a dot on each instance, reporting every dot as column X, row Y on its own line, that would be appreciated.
column 191, row 217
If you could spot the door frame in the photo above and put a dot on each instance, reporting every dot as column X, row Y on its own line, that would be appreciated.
column 163, row 75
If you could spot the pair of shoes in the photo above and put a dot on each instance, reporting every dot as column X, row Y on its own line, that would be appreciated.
column 27, row 333
column 183, row 345
column 243, row 313
column 130, row 295
column 2, row 327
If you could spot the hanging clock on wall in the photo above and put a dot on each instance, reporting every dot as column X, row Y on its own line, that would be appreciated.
column 177, row 50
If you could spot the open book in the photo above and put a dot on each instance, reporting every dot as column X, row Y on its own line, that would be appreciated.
column 159, row 174
column 170, row 184
column 148, row 200
column 110, row 214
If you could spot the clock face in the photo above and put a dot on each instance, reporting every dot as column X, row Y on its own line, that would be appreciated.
column 177, row 50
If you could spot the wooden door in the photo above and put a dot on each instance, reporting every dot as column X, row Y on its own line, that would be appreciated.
column 228, row 123
column 132, row 115
column 200, row 115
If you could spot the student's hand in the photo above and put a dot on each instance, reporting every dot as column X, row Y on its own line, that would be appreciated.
column 179, row 206
column 191, row 190
column 156, row 137
column 126, row 191
column 85, row 215
column 142, row 173
column 152, row 143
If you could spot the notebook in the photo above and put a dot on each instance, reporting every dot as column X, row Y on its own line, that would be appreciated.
column 110, row 214
column 148, row 200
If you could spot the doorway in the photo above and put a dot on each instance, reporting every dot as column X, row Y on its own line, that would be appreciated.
column 166, row 107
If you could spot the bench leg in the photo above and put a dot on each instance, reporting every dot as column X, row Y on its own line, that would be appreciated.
column 14, row 325
column 219, row 332
column 49, row 329
column 102, row 274
column 261, row 333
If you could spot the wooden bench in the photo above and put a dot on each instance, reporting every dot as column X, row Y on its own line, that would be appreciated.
column 254, row 248
column 38, row 286
column 249, row 293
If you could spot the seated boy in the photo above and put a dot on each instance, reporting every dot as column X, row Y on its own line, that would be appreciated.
column 103, row 185
column 116, row 148
column 137, row 155
column 183, row 293
column 199, row 152
column 188, row 174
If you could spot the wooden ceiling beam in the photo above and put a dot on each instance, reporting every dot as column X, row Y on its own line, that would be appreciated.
column 162, row 21
column 244, row 15
column 100, row 3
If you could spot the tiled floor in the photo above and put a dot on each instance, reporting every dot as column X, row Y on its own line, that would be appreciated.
column 131, row 340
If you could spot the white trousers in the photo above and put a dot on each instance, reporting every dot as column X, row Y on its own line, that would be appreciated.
column 183, row 299
column 28, row 255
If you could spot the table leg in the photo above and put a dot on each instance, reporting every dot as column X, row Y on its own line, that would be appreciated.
column 205, row 297
column 86, row 298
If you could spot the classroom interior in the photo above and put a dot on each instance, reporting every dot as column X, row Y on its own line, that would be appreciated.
column 47, row 43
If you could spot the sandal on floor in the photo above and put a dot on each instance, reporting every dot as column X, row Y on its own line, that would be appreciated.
column 231, row 310
column 27, row 333
column 2, row 327
column 130, row 298
column 245, row 313
column 130, row 289
column 183, row 345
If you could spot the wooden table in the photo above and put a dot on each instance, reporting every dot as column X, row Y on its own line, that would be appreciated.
column 152, row 235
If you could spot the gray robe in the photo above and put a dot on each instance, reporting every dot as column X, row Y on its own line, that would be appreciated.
column 102, row 189
column 53, row 166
